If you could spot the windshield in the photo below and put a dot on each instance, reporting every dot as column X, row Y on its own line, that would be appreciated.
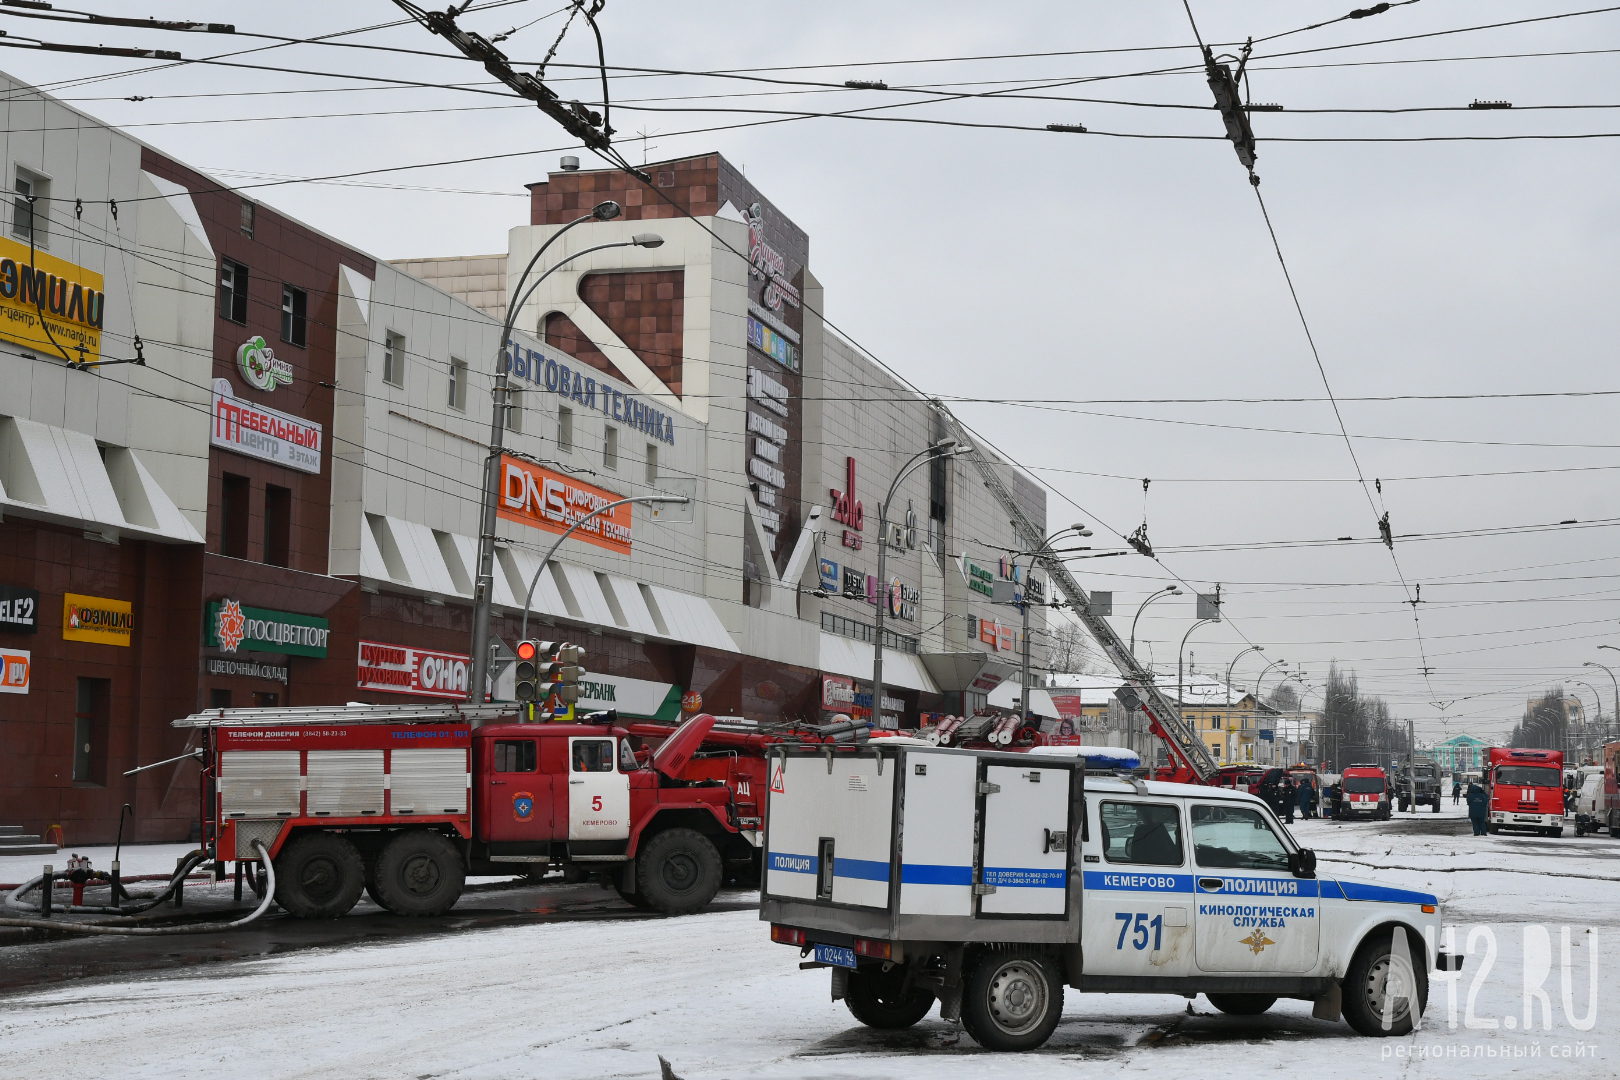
column 1424, row 770
column 1527, row 776
column 1237, row 838
column 1363, row 785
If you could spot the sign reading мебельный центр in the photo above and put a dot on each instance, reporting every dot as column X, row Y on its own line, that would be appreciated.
column 258, row 431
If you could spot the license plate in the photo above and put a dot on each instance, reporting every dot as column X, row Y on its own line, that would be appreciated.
column 836, row 955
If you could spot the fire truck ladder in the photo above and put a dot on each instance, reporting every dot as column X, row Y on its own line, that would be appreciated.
column 1183, row 742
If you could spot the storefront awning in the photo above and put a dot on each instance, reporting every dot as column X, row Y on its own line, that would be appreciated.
column 1005, row 696
column 54, row 474
column 845, row 656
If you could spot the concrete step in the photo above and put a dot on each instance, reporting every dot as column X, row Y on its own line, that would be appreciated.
column 7, row 830
column 29, row 849
column 19, row 838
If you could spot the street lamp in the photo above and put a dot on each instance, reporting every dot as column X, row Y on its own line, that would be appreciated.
column 1180, row 691
column 1233, row 664
column 1079, row 529
column 1605, row 667
column 483, row 589
column 1262, row 677
column 1587, row 733
column 1168, row 590
column 943, row 448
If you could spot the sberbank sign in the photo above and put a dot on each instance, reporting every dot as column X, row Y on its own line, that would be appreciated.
column 234, row 627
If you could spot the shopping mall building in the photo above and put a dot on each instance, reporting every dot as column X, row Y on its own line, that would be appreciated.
column 279, row 505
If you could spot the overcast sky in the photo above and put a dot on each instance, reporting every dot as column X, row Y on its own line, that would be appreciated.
column 1067, row 275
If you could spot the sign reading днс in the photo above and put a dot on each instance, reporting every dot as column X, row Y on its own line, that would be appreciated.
column 532, row 495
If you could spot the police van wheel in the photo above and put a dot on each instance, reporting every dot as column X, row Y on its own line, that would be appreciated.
column 319, row 876
column 678, row 871
column 879, row 999
column 1376, row 978
column 1242, row 1004
column 1013, row 1000
column 419, row 873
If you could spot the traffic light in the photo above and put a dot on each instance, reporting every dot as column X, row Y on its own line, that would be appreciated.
column 559, row 675
column 528, row 669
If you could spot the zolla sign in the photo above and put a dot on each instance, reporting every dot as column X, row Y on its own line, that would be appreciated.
column 233, row 627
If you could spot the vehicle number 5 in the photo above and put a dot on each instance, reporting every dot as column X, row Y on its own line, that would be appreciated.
column 596, row 804
column 1139, row 927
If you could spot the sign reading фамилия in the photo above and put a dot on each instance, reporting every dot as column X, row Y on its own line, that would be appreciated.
column 232, row 626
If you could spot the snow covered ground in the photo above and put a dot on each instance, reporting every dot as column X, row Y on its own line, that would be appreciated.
column 712, row 995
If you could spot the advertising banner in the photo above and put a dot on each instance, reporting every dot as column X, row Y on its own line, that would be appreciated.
column 837, row 693
column 258, row 431
column 230, row 626
column 14, row 671
column 19, row 610
column 536, row 496
column 52, row 305
column 401, row 669
column 98, row 619
column 632, row 697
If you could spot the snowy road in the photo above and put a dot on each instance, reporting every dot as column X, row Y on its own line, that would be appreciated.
column 712, row 995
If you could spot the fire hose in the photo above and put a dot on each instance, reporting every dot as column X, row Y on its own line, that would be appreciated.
column 14, row 902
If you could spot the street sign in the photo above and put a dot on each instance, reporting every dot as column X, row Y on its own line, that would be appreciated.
column 1102, row 603
column 1209, row 606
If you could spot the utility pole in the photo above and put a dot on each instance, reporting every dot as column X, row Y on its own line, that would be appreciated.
column 1411, row 765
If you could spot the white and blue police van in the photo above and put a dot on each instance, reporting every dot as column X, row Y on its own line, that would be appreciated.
column 987, row 882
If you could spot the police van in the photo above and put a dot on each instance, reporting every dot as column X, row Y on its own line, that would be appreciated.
column 989, row 881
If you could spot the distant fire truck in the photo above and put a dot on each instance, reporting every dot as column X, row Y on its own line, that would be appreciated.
column 1526, row 789
column 403, row 802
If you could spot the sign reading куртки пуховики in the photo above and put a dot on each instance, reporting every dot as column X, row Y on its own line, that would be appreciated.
column 404, row 669
column 259, row 431
column 233, row 627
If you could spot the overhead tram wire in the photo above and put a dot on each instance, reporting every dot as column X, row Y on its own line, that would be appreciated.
column 1254, row 183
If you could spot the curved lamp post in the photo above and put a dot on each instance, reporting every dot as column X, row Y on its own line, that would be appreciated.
column 1078, row 528
column 1180, row 688
column 1592, row 663
column 1233, row 665
column 1168, row 590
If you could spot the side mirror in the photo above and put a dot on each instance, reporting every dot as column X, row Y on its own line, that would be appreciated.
column 1302, row 864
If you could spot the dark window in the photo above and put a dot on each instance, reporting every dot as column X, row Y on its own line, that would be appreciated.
column 266, row 699
column 652, row 463
column 394, row 358
column 514, row 409
column 249, row 212
column 514, row 755
column 90, row 731
column 1526, row 776
column 233, row 286
column 1145, row 833
column 277, row 525
column 610, row 450
column 294, row 305
column 31, row 217
column 1363, row 785
column 1235, row 838
column 593, row 755
column 565, row 430
column 219, row 698
column 458, row 385
column 233, row 516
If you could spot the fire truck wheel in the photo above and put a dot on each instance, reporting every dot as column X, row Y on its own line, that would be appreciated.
column 1013, row 1000
column 1377, row 981
column 678, row 871
column 319, row 876
column 419, row 873
column 1242, row 1004
column 878, row 998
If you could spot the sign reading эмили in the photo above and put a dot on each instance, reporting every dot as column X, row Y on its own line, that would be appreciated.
column 532, row 495
column 50, row 300
column 259, row 431
column 231, row 627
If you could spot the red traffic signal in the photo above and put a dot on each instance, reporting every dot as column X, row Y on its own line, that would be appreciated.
column 526, row 650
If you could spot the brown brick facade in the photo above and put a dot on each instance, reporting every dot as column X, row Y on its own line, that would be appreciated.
column 563, row 334
column 645, row 308
column 692, row 184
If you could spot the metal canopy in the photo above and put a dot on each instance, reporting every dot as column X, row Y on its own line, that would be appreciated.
column 448, row 713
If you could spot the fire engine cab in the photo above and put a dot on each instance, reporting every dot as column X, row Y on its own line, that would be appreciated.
column 403, row 802
column 1526, row 789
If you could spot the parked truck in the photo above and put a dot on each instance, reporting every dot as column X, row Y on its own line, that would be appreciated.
column 1526, row 789
column 403, row 802
column 989, row 881
column 1417, row 782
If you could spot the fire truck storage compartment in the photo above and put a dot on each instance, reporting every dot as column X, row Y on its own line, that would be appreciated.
column 428, row 781
column 906, row 841
column 344, row 783
column 260, row 783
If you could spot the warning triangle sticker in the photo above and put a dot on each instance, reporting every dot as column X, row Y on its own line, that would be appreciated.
column 776, row 779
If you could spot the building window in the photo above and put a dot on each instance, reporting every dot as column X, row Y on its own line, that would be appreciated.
column 233, row 287
column 31, row 216
column 652, row 463
column 249, row 212
column 233, row 516
column 219, row 698
column 610, row 449
column 294, row 305
column 277, row 525
column 266, row 699
column 514, row 409
column 458, row 385
column 90, row 731
column 394, row 359
column 860, row 631
column 565, row 430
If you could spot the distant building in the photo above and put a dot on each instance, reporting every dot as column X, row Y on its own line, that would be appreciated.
column 1460, row 753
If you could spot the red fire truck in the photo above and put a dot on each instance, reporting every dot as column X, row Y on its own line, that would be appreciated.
column 404, row 802
column 1526, row 789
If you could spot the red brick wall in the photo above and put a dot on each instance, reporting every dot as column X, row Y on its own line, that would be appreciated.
column 645, row 308
column 692, row 184
column 562, row 333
